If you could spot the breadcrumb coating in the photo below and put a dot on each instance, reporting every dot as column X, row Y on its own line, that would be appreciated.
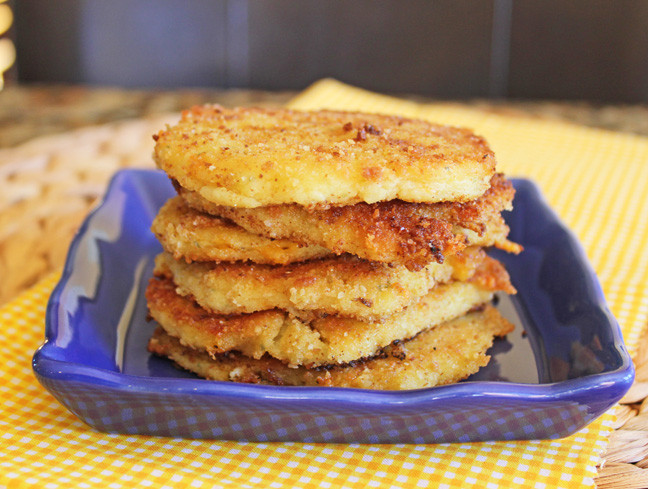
column 394, row 232
column 442, row 355
column 325, row 340
column 345, row 285
column 251, row 157
column 195, row 236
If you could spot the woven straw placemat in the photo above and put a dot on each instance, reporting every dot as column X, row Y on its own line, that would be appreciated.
column 51, row 183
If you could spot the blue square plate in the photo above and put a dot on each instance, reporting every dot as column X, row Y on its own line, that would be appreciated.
column 563, row 366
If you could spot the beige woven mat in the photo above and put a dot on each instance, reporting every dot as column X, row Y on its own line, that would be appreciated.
column 50, row 183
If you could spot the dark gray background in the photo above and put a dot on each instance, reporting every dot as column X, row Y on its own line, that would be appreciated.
column 578, row 49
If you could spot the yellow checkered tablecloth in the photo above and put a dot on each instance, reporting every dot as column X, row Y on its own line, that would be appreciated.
column 595, row 181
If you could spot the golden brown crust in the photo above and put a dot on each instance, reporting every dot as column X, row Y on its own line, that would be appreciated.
column 344, row 285
column 445, row 354
column 491, row 275
column 250, row 157
column 326, row 340
column 196, row 236
column 394, row 232
column 327, row 248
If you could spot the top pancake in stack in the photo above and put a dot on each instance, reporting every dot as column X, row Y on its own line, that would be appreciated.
column 249, row 157
column 313, row 241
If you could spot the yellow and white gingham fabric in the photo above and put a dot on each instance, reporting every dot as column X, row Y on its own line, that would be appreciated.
column 596, row 182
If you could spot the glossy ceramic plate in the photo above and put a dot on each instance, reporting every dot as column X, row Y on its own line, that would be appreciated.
column 564, row 365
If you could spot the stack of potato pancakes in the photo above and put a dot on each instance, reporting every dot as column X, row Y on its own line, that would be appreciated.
column 327, row 249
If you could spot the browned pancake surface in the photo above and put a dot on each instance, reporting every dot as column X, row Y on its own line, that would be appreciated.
column 445, row 354
column 250, row 157
column 393, row 232
column 299, row 342
column 344, row 285
column 322, row 340
column 195, row 236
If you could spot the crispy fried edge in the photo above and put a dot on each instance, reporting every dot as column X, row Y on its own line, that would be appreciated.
column 344, row 285
column 313, row 342
column 193, row 151
column 460, row 344
column 394, row 232
column 196, row 236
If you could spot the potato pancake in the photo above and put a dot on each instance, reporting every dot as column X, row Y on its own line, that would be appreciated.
column 327, row 248
column 251, row 157
column 442, row 355
column 344, row 285
column 196, row 236
column 294, row 341
column 394, row 232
